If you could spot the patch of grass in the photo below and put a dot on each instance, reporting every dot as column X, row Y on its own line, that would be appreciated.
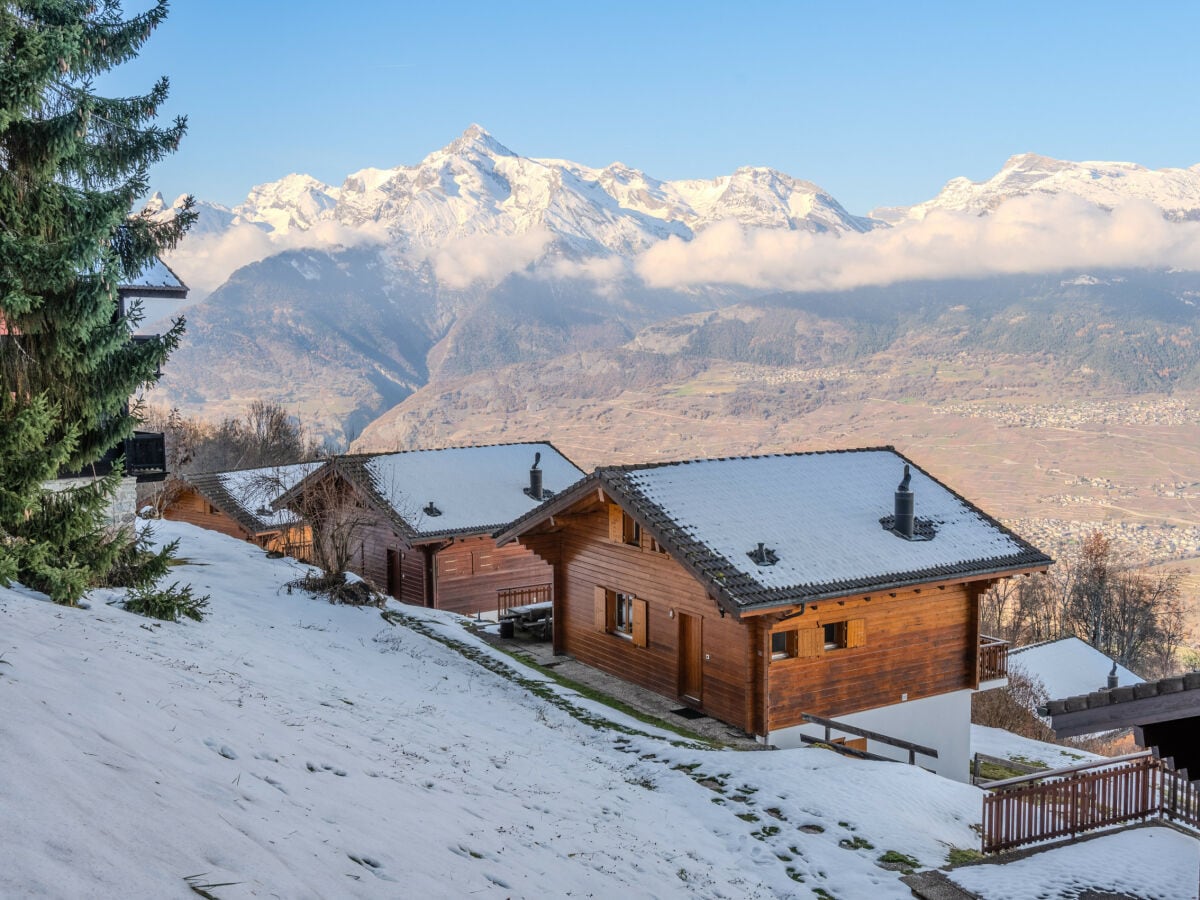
column 824, row 894
column 900, row 862
column 855, row 843
column 961, row 855
column 765, row 832
column 813, row 828
column 747, row 817
column 795, row 875
column 545, row 691
column 691, row 739
column 643, row 781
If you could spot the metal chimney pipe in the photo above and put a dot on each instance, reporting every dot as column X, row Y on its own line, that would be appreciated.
column 905, row 505
column 535, row 478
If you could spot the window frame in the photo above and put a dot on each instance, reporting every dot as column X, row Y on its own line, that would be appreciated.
column 623, row 615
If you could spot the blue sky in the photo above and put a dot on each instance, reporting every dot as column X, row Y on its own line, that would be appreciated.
column 879, row 103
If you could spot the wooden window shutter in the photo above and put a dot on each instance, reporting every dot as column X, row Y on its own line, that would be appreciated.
column 616, row 527
column 856, row 632
column 602, row 610
column 809, row 642
column 641, row 613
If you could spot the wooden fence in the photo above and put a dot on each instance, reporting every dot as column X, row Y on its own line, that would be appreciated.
column 507, row 598
column 1067, row 802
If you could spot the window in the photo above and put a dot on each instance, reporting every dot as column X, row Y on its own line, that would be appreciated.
column 623, row 528
column 783, row 644
column 835, row 635
column 623, row 615
column 842, row 635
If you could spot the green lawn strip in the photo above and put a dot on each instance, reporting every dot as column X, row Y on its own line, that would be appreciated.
column 547, row 693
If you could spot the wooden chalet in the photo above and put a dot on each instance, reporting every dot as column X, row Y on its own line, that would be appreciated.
column 759, row 590
column 423, row 520
column 238, row 503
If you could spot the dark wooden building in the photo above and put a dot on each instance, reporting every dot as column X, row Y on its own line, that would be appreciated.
column 238, row 503
column 759, row 589
column 1164, row 716
column 422, row 520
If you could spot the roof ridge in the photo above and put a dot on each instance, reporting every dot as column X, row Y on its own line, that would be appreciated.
column 375, row 454
column 634, row 467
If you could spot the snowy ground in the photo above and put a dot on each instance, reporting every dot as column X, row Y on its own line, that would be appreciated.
column 295, row 749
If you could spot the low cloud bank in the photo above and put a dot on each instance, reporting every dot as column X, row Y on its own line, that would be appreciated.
column 206, row 261
column 487, row 258
column 1043, row 233
column 1031, row 234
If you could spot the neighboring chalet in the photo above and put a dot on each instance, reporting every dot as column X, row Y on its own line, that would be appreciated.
column 760, row 589
column 1164, row 716
column 238, row 504
column 155, row 297
column 1069, row 666
column 423, row 520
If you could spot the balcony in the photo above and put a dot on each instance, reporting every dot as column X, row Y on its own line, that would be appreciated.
column 146, row 455
column 993, row 662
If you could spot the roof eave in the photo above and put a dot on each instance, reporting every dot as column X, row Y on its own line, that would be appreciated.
column 790, row 599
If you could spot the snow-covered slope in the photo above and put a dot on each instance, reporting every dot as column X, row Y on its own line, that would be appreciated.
column 288, row 748
column 1107, row 184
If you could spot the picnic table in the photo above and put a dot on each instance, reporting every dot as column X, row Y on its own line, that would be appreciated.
column 536, row 618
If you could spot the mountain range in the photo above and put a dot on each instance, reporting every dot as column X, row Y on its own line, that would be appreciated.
column 353, row 297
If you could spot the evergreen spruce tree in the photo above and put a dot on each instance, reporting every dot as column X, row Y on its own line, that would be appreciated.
column 71, row 166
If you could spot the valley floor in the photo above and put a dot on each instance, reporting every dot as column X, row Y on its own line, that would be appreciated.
column 288, row 748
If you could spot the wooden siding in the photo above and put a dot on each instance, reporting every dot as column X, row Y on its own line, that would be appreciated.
column 193, row 508
column 586, row 558
column 917, row 643
column 467, row 572
column 470, row 572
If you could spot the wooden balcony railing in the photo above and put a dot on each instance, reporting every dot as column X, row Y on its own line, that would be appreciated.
column 507, row 598
column 993, row 658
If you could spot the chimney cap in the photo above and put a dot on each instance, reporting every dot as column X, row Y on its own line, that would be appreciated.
column 904, row 482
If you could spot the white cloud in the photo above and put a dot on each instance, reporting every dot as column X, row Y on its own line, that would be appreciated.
column 1042, row 233
column 206, row 261
column 487, row 258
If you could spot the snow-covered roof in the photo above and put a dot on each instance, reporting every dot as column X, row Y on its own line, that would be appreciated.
column 156, row 276
column 474, row 490
column 246, row 495
column 822, row 515
column 1068, row 667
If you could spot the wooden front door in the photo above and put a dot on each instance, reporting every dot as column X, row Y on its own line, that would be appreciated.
column 394, row 577
column 691, row 657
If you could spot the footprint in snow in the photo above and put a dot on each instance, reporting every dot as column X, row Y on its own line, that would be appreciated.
column 273, row 782
column 223, row 749
column 372, row 865
column 325, row 767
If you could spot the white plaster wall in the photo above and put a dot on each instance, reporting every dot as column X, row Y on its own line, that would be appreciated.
column 942, row 722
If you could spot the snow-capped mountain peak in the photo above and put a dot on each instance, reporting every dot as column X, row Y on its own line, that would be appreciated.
column 1107, row 184
column 477, row 186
